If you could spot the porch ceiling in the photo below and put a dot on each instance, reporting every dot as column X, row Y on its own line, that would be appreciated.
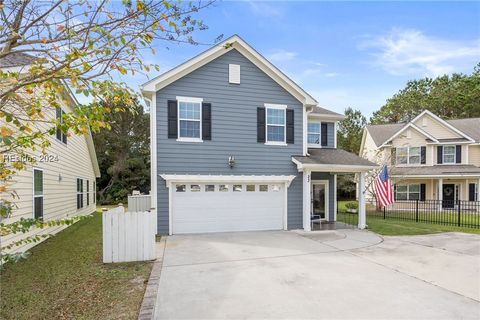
column 332, row 160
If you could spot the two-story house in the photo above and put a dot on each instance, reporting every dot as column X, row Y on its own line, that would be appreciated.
column 61, row 181
column 429, row 158
column 236, row 146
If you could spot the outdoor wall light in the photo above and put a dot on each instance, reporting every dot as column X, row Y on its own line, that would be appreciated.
column 59, row 177
column 231, row 161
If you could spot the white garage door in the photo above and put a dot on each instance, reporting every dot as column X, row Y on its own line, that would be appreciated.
column 221, row 207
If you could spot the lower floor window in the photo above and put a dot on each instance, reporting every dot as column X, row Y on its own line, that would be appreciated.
column 407, row 192
column 37, row 193
column 79, row 193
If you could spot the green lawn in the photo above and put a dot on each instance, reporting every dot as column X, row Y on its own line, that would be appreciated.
column 64, row 278
column 394, row 226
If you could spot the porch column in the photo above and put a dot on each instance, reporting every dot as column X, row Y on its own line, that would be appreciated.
column 307, row 201
column 362, row 219
column 440, row 193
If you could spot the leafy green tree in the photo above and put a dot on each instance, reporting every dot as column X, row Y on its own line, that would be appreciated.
column 449, row 96
column 123, row 154
column 349, row 135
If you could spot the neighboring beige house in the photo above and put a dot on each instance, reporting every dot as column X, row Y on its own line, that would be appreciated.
column 428, row 158
column 62, row 181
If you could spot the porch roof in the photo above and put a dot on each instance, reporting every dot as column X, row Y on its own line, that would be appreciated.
column 332, row 160
column 437, row 171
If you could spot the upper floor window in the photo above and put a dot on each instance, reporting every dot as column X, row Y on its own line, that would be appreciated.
column 59, row 134
column 37, row 193
column 409, row 155
column 189, row 119
column 449, row 154
column 314, row 133
column 276, row 124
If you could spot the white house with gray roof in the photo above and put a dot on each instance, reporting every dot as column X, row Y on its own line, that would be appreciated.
column 236, row 145
column 429, row 158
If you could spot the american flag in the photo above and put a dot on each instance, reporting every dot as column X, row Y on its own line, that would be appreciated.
column 383, row 188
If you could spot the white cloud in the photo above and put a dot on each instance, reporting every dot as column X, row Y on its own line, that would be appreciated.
column 408, row 51
column 282, row 55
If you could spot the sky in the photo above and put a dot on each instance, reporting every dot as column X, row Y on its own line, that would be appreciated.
column 345, row 54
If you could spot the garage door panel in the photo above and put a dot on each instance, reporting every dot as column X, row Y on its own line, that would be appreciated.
column 197, row 212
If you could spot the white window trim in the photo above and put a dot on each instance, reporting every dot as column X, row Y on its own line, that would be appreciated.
column 313, row 145
column 278, row 107
column 33, row 192
column 454, row 154
column 189, row 100
column 398, row 164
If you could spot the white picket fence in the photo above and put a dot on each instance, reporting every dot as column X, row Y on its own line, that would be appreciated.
column 128, row 236
column 139, row 203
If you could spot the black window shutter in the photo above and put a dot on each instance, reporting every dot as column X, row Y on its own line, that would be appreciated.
column 471, row 192
column 172, row 119
column 458, row 151
column 260, row 124
column 324, row 135
column 439, row 154
column 290, row 126
column 423, row 155
column 206, row 121
column 393, row 155
column 395, row 191
column 422, row 191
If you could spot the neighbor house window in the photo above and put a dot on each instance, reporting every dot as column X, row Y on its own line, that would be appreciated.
column 314, row 133
column 407, row 192
column 408, row 155
column 79, row 193
column 88, row 193
column 94, row 192
column 59, row 134
column 276, row 124
column 37, row 193
column 189, row 118
column 449, row 154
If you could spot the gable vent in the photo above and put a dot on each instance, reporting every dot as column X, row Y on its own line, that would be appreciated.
column 234, row 73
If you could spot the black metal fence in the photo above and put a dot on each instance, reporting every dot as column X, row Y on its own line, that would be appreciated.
column 445, row 212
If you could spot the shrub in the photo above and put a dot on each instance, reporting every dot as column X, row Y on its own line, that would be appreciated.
column 351, row 205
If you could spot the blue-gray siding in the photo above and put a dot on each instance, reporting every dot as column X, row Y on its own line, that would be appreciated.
column 331, row 191
column 234, row 131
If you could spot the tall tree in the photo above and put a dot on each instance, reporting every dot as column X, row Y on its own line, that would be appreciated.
column 454, row 96
column 123, row 154
column 349, row 135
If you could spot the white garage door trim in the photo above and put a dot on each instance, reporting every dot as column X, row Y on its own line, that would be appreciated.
column 171, row 179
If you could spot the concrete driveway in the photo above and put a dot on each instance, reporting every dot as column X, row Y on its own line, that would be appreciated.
column 346, row 274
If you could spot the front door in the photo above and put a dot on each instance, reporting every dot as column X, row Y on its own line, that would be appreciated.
column 319, row 201
column 448, row 195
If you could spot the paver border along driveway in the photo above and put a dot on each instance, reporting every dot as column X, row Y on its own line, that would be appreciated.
column 346, row 274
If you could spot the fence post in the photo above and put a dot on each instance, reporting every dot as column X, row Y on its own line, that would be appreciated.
column 416, row 210
column 384, row 212
column 459, row 210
